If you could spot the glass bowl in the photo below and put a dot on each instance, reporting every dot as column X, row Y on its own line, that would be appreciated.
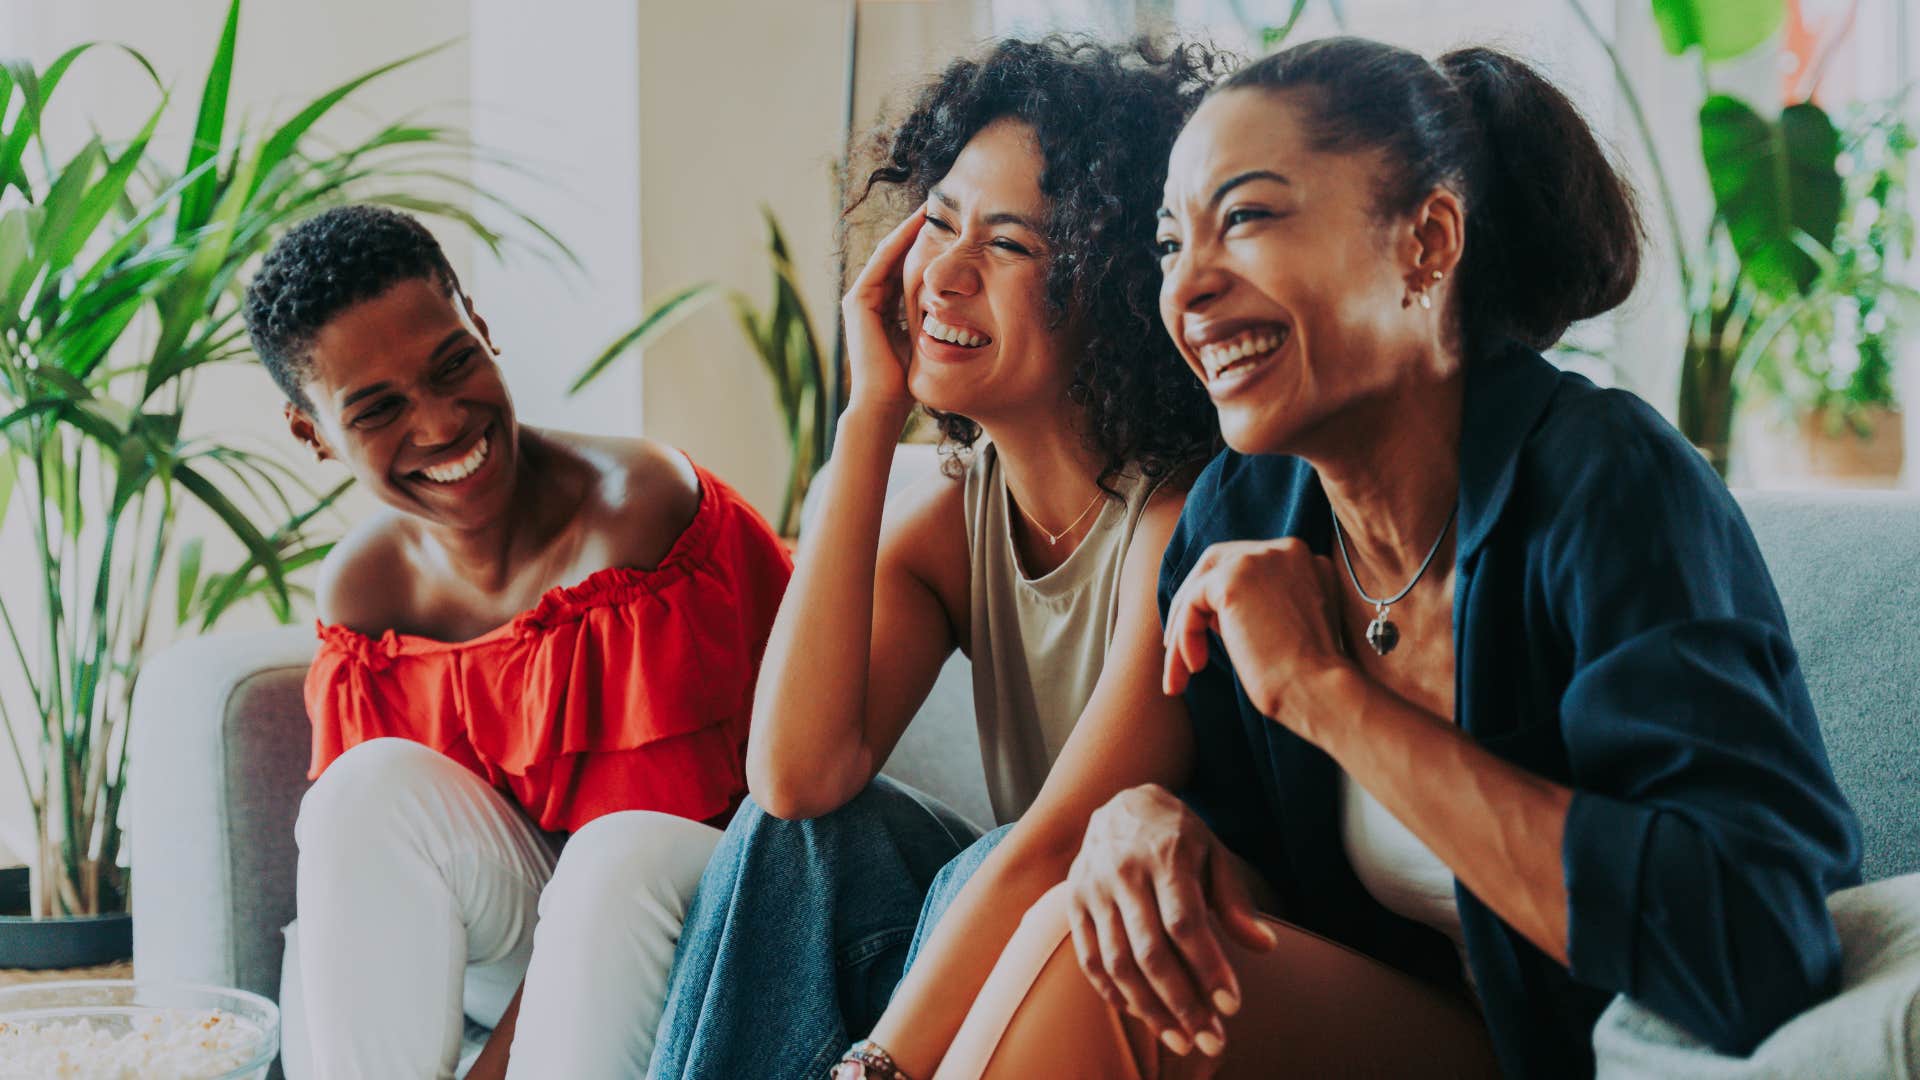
column 112, row 1010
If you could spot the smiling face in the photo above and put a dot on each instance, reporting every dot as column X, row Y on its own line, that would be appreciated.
column 975, row 285
column 407, row 395
column 1285, row 289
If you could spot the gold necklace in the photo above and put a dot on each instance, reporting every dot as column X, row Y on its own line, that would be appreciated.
column 1054, row 538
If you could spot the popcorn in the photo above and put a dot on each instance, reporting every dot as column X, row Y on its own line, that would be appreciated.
column 157, row 1044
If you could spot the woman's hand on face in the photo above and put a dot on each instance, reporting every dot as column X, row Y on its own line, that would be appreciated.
column 1273, row 603
column 877, row 345
column 1149, row 896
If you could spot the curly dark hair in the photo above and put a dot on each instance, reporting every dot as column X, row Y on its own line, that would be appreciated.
column 325, row 265
column 1104, row 117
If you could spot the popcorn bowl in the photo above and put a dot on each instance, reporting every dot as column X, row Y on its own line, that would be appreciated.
column 124, row 1029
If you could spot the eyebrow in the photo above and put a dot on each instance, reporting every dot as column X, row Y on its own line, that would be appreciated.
column 381, row 387
column 1003, row 217
column 1221, row 192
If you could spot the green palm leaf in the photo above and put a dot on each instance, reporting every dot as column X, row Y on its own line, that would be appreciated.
column 196, row 203
column 665, row 316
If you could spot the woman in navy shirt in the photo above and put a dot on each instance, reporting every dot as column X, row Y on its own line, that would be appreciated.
column 1442, row 615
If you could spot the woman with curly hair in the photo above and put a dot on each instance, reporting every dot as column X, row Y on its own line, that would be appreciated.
column 1490, row 686
column 1028, row 294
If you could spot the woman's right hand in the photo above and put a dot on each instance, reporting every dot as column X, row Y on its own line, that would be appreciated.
column 877, row 345
column 1151, row 891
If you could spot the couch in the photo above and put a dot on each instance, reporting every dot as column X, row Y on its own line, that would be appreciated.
column 220, row 738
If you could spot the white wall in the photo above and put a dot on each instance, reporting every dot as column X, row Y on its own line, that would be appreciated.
column 741, row 103
column 557, row 86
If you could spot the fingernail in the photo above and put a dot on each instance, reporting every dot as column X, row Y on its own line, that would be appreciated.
column 1176, row 1042
column 1209, row 1043
column 1226, row 1002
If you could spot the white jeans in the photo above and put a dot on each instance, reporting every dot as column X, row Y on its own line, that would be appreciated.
column 426, row 897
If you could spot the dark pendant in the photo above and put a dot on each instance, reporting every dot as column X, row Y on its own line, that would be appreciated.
column 1382, row 634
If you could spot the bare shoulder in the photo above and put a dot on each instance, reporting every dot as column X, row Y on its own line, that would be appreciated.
column 645, row 495
column 1155, row 530
column 925, row 533
column 366, row 583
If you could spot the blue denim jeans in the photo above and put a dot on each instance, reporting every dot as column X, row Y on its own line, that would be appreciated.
column 801, row 930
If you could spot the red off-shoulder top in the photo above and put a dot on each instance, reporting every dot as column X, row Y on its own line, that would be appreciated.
column 629, row 691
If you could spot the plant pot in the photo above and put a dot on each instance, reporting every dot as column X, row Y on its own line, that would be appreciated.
column 1808, row 450
column 70, row 941
column 1840, row 456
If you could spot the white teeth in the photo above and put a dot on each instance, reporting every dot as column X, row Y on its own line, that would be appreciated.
column 1219, row 356
column 459, row 470
column 953, row 335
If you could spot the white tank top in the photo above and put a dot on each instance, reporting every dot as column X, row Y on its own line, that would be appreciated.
column 1399, row 871
column 1039, row 644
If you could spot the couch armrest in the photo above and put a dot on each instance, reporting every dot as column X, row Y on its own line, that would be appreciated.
column 219, row 759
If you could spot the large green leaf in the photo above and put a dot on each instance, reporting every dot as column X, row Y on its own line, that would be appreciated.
column 1772, row 182
column 59, row 212
column 666, row 315
column 1720, row 29
column 191, row 297
column 284, row 141
column 258, row 546
column 208, row 131
column 35, row 90
column 187, row 584
column 102, row 197
column 17, row 227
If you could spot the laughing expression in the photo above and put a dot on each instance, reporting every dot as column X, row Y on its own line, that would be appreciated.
column 407, row 395
column 1282, row 284
column 975, row 285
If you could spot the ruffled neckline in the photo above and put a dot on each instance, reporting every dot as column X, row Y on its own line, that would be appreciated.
column 611, row 586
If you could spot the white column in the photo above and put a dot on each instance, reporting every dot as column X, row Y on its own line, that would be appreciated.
column 557, row 86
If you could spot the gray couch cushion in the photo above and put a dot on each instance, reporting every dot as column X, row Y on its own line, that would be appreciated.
column 1848, row 570
column 221, row 742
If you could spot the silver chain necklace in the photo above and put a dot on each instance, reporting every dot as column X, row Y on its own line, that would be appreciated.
column 1382, row 634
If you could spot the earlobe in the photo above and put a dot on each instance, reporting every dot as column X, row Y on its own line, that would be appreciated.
column 301, row 426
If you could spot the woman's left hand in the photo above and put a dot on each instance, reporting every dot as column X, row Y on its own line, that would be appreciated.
column 1276, row 606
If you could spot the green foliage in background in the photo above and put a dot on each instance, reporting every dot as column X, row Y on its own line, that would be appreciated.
column 119, row 282
column 1831, row 349
column 1777, row 202
column 1720, row 29
column 783, row 339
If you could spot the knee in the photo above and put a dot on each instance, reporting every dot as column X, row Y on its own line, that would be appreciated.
column 362, row 792
column 626, row 865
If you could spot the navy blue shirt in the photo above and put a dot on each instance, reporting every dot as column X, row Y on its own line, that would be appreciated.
column 1615, row 631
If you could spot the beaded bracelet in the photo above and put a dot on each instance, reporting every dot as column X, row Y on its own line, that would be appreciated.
column 867, row 1060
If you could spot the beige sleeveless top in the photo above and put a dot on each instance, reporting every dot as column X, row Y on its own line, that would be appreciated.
column 1038, row 644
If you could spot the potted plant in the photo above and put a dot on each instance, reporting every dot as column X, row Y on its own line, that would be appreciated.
column 1826, row 359
column 783, row 339
column 1776, row 186
column 120, row 282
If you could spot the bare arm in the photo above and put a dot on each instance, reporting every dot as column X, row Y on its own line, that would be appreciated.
column 1497, row 826
column 1129, row 734
column 1274, row 603
column 862, row 632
